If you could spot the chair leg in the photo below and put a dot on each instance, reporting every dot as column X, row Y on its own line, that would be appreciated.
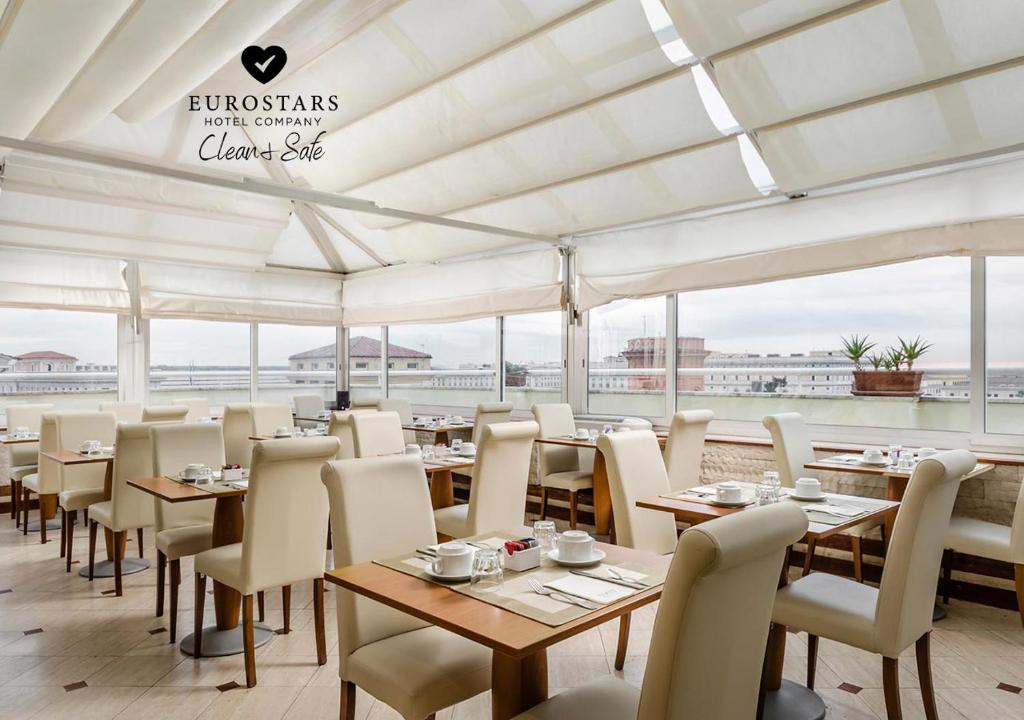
column 318, row 621
column 14, row 502
column 543, row 503
column 947, row 575
column 248, row 642
column 261, row 606
column 809, row 556
column 330, row 538
column 812, row 659
column 175, row 568
column 25, row 492
column 620, row 648
column 42, row 523
column 71, row 518
column 1018, row 574
column 891, row 687
column 63, row 532
column 138, row 535
column 348, row 701
column 161, row 575
column 858, row 559
column 924, row 673
column 573, row 496
column 286, row 607
column 118, row 538
column 200, row 605
column 92, row 548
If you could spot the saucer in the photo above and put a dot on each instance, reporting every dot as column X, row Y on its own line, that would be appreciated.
column 876, row 463
column 728, row 503
column 597, row 556
column 805, row 498
column 463, row 453
column 429, row 570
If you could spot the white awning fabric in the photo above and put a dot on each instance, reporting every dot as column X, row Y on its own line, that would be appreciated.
column 525, row 282
column 63, row 282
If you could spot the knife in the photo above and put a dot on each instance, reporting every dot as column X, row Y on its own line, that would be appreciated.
column 613, row 581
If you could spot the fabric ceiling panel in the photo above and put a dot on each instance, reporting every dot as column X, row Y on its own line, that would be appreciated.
column 881, row 48
column 45, row 46
column 502, row 285
column 710, row 27
column 295, row 248
column 976, row 116
column 571, row 63
column 656, row 118
column 212, row 294
column 360, row 247
column 64, row 282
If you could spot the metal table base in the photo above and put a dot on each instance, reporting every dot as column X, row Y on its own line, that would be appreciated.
column 217, row 643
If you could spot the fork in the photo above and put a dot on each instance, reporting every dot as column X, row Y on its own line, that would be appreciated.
column 561, row 597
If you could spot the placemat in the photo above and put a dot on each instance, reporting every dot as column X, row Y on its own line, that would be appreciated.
column 690, row 495
column 865, row 504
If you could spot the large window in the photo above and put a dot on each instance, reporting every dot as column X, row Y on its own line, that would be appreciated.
column 745, row 352
column 364, row 360
column 626, row 358
column 450, row 365
column 296, row 360
column 1004, row 346
column 198, row 358
column 65, row 358
column 533, row 359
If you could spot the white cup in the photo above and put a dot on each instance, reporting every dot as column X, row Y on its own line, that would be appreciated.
column 582, row 434
column 808, row 487
column 728, row 492
column 575, row 545
column 310, row 432
column 21, row 431
column 873, row 455
column 926, row 452
column 453, row 558
column 193, row 471
column 468, row 448
column 458, row 419
column 90, row 446
column 413, row 449
column 204, row 419
column 283, row 431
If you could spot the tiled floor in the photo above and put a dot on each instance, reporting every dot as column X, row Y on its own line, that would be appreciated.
column 68, row 650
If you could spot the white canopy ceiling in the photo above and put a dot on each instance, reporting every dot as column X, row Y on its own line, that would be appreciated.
column 534, row 118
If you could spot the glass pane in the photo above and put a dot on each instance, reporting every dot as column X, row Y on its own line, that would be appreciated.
column 747, row 352
column 626, row 365
column 68, row 359
column 1004, row 349
column 198, row 358
column 533, row 359
column 449, row 365
column 364, row 363
column 296, row 360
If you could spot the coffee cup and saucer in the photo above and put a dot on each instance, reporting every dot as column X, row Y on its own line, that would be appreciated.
column 453, row 563
column 90, row 447
column 728, row 494
column 467, row 449
column 575, row 548
column 582, row 434
column 873, row 456
column 807, row 490
column 283, row 432
column 195, row 472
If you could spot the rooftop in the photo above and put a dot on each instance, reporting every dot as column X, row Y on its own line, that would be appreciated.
column 46, row 355
column 361, row 347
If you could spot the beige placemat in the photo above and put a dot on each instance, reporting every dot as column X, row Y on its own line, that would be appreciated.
column 866, row 505
column 749, row 496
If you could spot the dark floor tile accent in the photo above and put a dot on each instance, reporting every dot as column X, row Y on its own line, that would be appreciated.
column 228, row 686
column 1009, row 688
column 157, row 631
column 76, row 686
column 279, row 631
column 75, row 562
column 4, row 592
column 108, row 592
column 850, row 688
column 33, row 631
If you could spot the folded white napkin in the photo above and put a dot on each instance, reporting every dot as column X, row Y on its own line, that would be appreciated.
column 844, row 510
column 591, row 589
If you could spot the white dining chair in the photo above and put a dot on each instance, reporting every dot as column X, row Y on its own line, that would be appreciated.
column 378, row 433
column 268, row 417
column 486, row 414
column 197, row 408
column 45, row 481
column 684, row 450
column 501, row 473
column 164, row 413
column 307, row 406
column 380, row 508
column 898, row 613
column 559, row 466
column 282, row 542
column 23, row 458
column 126, row 411
column 238, row 427
column 81, row 485
column 404, row 409
column 699, row 667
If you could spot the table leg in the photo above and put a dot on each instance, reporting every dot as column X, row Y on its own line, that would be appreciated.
column 441, row 437
column 442, row 491
column 517, row 684
column 602, row 496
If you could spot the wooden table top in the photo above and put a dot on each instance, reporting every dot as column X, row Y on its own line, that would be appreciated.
column 11, row 440
column 487, row 624
column 591, row 444
column 431, row 469
column 72, row 457
column 882, row 470
column 175, row 492
column 312, row 419
column 438, row 428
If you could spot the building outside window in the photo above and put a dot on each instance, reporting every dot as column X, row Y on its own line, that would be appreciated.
column 626, row 358
column 533, row 359
column 296, row 360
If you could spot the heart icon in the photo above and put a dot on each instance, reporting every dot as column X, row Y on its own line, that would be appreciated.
column 264, row 64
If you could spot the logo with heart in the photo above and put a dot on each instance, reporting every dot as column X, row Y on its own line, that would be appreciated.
column 264, row 64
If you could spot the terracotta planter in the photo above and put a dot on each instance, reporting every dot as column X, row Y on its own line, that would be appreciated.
column 890, row 383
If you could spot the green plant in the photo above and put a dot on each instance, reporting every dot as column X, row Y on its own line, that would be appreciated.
column 855, row 348
column 913, row 350
column 895, row 358
column 876, row 360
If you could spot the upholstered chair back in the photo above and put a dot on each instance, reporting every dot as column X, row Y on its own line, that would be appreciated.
column 489, row 414
column 497, row 495
column 197, row 407
column 404, row 409
column 380, row 508
column 364, row 404
column 636, row 472
column 793, row 448
column 238, row 427
column 164, row 413
column 127, row 411
column 268, row 417
column 723, row 575
column 285, row 513
column 308, row 405
column 49, row 470
column 75, row 427
column 1017, row 531
column 906, row 595
column 131, row 507
column 30, row 416
column 376, row 434
column 555, row 419
column 174, row 447
column 684, row 451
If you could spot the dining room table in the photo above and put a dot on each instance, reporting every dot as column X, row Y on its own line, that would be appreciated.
column 439, row 472
column 440, row 430
column 515, row 625
column 19, row 440
column 832, row 514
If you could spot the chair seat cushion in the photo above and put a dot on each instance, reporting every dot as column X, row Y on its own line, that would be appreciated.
column 422, row 671
column 453, row 521
column 224, row 564
column 569, row 480
column 829, row 606
column 977, row 537
column 80, row 499
column 31, row 481
column 103, row 513
column 609, row 698
column 182, row 541
column 18, row 472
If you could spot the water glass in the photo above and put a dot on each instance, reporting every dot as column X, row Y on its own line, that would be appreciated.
column 487, row 575
column 606, row 429
column 456, row 445
column 441, row 451
column 544, row 532
column 593, row 434
column 769, row 489
column 894, row 454
column 428, row 452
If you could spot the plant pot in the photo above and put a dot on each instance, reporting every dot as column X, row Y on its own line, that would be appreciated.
column 887, row 383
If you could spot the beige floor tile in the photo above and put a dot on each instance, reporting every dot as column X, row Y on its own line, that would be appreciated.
column 258, row 703
column 283, row 670
column 60, row 671
column 910, row 704
column 841, row 705
column 170, row 703
column 985, row 704
column 18, row 703
column 90, row 703
column 207, row 671
column 12, row 666
column 141, row 671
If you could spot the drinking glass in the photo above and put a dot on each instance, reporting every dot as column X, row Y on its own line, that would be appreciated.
column 441, row 451
column 769, row 489
column 606, row 429
column 593, row 434
column 487, row 575
column 428, row 452
column 894, row 454
column 456, row 445
column 544, row 532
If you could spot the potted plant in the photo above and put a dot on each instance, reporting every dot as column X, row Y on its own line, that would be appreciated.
column 892, row 372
